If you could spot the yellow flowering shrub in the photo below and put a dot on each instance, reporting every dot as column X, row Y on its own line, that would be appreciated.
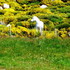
column 57, row 1
column 62, row 31
column 68, row 29
column 41, row 10
column 13, row 30
column 15, row 5
column 2, row 0
column 62, row 15
column 63, row 35
column 1, row 28
column 9, row 19
column 45, row 27
column 24, row 30
column 46, row 1
column 18, row 31
column 5, row 30
column 50, row 34
column 6, row 14
column 3, row 35
column 33, row 32
column 21, row 1
column 21, row 13
column 9, row 10
column 50, row 1
column 25, row 24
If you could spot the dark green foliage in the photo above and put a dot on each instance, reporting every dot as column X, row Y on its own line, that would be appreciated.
column 64, row 9
column 23, row 18
column 68, row 15
column 54, row 18
column 64, row 25
column 23, row 2
column 65, row 0
column 34, row 3
column 18, row 24
column 1, row 12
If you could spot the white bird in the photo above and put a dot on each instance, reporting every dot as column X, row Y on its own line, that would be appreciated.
column 39, row 24
column 43, row 6
column 1, row 8
column 8, row 25
column 6, row 6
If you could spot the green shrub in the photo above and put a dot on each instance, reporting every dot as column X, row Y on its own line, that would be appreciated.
column 1, row 12
column 68, row 14
column 23, row 18
column 64, row 25
column 54, row 18
column 22, row 1
column 34, row 3
column 9, row 19
column 18, row 24
column 15, row 6
column 64, row 9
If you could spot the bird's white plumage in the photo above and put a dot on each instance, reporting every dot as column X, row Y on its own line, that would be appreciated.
column 39, row 24
column 1, row 8
column 6, row 5
column 43, row 6
column 8, row 25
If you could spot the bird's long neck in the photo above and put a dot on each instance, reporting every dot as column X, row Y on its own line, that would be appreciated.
column 37, row 21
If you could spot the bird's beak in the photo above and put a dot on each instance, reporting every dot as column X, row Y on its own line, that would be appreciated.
column 32, row 20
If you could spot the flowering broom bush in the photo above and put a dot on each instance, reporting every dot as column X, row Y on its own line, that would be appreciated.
column 20, row 13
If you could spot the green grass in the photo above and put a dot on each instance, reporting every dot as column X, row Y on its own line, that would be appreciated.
column 34, row 54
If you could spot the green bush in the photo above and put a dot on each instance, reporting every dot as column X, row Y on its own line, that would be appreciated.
column 64, row 25
column 68, row 14
column 64, row 9
column 22, row 1
column 23, row 18
column 54, row 18
column 9, row 19
column 34, row 3
column 15, row 6
column 18, row 24
column 1, row 12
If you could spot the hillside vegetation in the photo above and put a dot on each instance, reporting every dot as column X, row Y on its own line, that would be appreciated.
column 20, row 13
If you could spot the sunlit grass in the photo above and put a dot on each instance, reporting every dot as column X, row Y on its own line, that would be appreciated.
column 34, row 54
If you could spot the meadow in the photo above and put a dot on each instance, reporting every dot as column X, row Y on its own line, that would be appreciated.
column 34, row 54
column 22, row 47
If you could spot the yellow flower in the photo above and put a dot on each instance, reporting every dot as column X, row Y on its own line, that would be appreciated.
column 13, row 29
column 63, row 35
column 18, row 30
column 33, row 32
column 50, row 35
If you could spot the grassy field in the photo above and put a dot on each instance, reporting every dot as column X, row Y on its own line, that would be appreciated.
column 34, row 54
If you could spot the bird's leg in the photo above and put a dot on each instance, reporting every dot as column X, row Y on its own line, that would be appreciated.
column 41, row 31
